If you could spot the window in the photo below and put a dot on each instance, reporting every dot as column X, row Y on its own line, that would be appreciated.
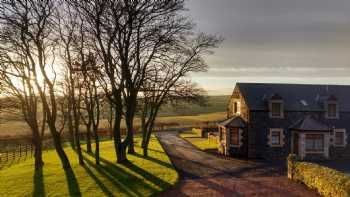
column 276, row 137
column 276, row 109
column 339, row 137
column 221, row 133
column 234, row 137
column 332, row 110
column 236, row 107
column 314, row 142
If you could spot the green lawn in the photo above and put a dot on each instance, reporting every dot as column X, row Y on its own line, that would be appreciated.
column 199, row 142
column 141, row 177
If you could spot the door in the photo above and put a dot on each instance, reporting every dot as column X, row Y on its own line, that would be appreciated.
column 296, row 143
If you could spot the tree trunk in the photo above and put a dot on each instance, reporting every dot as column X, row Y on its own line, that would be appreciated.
column 38, row 153
column 97, row 149
column 78, row 148
column 97, row 144
column 120, row 148
column 131, row 146
column 121, row 155
column 130, row 124
column 70, row 124
column 88, row 138
column 59, row 149
column 110, row 120
column 145, row 141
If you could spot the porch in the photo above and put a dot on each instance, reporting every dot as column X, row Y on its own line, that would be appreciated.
column 310, row 139
column 231, row 134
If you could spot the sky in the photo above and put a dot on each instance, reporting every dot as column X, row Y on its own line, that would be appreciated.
column 275, row 41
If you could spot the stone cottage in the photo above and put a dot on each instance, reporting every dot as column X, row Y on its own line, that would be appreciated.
column 273, row 120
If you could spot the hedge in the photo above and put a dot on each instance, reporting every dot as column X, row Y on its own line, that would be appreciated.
column 325, row 181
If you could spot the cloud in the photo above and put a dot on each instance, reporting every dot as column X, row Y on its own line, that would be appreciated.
column 286, row 40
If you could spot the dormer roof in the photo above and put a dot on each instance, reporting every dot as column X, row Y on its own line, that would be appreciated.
column 310, row 123
column 233, row 122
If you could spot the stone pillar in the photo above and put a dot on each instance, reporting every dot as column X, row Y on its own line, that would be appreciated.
column 291, row 165
column 227, row 140
column 326, row 145
column 302, row 145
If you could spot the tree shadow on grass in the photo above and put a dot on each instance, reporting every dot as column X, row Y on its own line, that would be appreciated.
column 165, row 164
column 148, row 176
column 105, row 190
column 124, row 181
column 73, row 185
column 38, row 180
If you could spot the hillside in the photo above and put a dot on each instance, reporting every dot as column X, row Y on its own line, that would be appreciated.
column 184, row 115
column 214, row 104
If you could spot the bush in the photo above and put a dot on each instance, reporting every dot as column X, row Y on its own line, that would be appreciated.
column 326, row 181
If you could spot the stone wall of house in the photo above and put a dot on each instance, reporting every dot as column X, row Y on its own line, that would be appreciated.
column 260, row 123
column 237, row 96
column 242, row 150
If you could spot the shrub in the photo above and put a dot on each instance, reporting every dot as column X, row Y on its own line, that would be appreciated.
column 325, row 181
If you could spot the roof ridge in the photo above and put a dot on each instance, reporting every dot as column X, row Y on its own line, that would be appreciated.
column 304, row 84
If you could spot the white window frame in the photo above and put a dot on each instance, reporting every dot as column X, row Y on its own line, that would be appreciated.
column 281, row 115
column 280, row 130
column 336, row 110
column 344, row 138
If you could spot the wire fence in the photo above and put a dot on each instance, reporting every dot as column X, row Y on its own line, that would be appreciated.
column 14, row 153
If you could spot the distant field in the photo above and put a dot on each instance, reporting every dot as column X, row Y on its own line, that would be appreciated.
column 214, row 104
column 183, row 115
column 19, row 128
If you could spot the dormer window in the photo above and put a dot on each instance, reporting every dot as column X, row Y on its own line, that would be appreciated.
column 276, row 107
column 332, row 109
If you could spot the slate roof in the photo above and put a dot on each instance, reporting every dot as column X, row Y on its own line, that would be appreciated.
column 296, row 97
column 309, row 123
column 235, row 121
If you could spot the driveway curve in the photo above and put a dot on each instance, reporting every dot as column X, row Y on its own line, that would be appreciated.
column 204, row 174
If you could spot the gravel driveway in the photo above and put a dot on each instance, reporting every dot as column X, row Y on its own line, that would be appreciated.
column 203, row 174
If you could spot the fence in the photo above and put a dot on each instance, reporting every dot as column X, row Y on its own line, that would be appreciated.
column 14, row 153
column 15, row 150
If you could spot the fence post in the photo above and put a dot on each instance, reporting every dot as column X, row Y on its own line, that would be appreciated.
column 20, row 151
column 31, row 150
column 7, row 153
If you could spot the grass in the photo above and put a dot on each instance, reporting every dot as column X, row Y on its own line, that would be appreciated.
column 141, row 177
column 202, row 143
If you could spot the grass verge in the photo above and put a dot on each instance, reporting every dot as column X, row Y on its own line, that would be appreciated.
column 202, row 143
column 141, row 177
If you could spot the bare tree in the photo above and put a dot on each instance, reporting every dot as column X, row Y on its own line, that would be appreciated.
column 76, row 55
column 103, row 26
column 28, row 27
column 131, row 37
column 165, row 79
column 92, row 94
column 15, row 77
